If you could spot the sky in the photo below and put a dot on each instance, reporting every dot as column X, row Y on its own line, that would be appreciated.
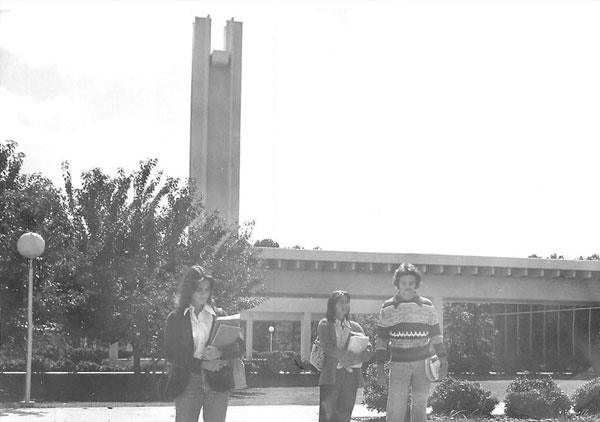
column 438, row 127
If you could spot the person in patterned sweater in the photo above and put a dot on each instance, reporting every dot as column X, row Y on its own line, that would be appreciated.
column 406, row 330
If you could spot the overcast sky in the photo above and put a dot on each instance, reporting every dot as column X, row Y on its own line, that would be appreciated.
column 449, row 127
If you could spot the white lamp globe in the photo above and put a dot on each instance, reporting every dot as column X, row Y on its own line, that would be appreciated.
column 31, row 245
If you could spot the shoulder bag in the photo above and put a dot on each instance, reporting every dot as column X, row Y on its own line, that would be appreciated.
column 317, row 356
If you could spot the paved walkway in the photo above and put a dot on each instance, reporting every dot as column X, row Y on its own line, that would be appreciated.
column 166, row 413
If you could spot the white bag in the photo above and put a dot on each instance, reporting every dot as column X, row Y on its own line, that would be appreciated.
column 317, row 356
column 432, row 368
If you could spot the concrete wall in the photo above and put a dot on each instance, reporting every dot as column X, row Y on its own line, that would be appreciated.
column 215, row 118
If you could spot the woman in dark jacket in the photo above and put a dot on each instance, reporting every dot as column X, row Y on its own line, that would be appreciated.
column 341, row 375
column 199, row 375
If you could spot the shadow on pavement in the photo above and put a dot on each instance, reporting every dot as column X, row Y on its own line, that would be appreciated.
column 20, row 411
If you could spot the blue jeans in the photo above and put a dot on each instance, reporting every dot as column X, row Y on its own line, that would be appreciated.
column 196, row 395
column 405, row 377
column 337, row 401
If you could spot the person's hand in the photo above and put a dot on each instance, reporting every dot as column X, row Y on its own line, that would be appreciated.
column 349, row 356
column 381, row 379
column 346, row 364
column 212, row 353
column 443, row 368
column 213, row 365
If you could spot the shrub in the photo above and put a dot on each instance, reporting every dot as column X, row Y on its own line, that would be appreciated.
column 482, row 363
column 479, row 363
column 586, row 399
column 375, row 396
column 12, row 364
column 458, row 396
column 87, row 366
column 88, row 354
column 286, row 362
column 458, row 363
column 257, row 366
column 535, row 398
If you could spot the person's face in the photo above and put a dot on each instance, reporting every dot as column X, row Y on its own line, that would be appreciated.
column 407, row 286
column 201, row 294
column 342, row 307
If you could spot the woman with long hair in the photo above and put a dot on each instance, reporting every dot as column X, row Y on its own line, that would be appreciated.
column 341, row 375
column 199, row 375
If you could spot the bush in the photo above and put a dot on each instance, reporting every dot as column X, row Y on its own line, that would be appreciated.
column 256, row 366
column 535, row 398
column 586, row 399
column 87, row 366
column 480, row 363
column 286, row 362
column 458, row 363
column 458, row 396
column 375, row 396
column 483, row 363
column 88, row 354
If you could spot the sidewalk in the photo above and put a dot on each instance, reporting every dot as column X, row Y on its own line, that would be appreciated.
column 292, row 413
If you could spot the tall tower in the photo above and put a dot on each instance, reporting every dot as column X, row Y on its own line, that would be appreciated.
column 215, row 118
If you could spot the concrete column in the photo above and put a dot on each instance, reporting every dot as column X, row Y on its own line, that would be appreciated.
column 249, row 335
column 305, row 340
column 438, row 304
column 113, row 352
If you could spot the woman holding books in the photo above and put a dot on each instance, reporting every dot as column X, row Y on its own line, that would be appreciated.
column 341, row 375
column 200, row 376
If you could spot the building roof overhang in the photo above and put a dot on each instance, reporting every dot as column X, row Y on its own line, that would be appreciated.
column 429, row 264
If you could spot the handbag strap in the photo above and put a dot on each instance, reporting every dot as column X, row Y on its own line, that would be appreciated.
column 212, row 328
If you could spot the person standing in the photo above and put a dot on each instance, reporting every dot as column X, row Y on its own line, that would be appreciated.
column 341, row 375
column 199, row 376
column 407, row 331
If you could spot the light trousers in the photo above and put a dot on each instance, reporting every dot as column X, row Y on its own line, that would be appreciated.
column 407, row 377
column 197, row 395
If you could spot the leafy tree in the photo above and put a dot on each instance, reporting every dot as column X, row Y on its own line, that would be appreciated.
column 31, row 203
column 468, row 330
column 266, row 243
column 552, row 256
column 135, row 236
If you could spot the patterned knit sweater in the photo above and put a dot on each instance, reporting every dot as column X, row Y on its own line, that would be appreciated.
column 406, row 329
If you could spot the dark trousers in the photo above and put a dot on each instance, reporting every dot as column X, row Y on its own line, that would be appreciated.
column 337, row 401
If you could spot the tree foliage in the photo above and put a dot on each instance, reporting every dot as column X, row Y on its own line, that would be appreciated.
column 116, row 248
column 31, row 203
column 468, row 330
column 136, row 234
column 266, row 243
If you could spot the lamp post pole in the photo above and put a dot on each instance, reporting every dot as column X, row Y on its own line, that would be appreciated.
column 271, row 329
column 30, row 245
column 27, row 399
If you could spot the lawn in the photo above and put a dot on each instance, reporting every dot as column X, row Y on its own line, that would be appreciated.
column 308, row 396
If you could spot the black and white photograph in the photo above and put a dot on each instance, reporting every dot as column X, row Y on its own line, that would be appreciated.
column 300, row 211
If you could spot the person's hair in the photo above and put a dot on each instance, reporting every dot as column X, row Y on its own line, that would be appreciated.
column 334, row 298
column 404, row 269
column 190, row 282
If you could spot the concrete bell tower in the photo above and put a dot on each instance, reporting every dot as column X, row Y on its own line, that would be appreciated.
column 215, row 118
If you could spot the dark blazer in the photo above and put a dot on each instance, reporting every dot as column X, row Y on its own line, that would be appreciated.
column 334, row 354
column 179, row 348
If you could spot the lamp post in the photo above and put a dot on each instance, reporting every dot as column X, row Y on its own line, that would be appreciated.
column 271, row 329
column 30, row 245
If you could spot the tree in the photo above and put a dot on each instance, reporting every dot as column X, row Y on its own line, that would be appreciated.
column 31, row 203
column 468, row 330
column 266, row 243
column 135, row 236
